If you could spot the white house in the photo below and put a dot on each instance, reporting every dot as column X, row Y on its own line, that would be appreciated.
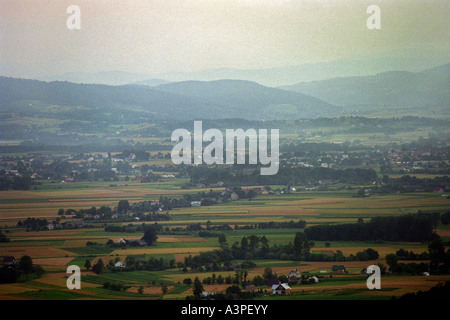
column 196, row 203
column 119, row 264
column 281, row 289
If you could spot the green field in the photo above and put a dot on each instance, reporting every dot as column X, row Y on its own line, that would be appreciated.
column 57, row 249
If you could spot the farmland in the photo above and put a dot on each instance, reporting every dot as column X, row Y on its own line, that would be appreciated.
column 54, row 250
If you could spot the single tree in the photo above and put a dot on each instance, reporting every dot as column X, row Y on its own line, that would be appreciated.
column 222, row 239
column 123, row 206
column 98, row 267
column 198, row 287
column 25, row 264
column 164, row 290
column 268, row 274
column 150, row 236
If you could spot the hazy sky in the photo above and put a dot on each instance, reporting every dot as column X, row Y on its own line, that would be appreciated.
column 156, row 36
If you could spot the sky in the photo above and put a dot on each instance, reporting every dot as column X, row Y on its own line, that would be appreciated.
column 158, row 36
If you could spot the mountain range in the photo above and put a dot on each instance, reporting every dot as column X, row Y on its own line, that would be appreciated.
column 178, row 101
column 154, row 99
column 427, row 88
column 401, row 60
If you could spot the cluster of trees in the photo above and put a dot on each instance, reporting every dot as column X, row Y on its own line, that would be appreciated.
column 445, row 218
column 254, row 247
column 150, row 237
column 233, row 292
column 23, row 270
column 3, row 237
column 15, row 183
column 411, row 227
column 439, row 260
column 438, row 292
column 131, row 228
column 285, row 176
column 149, row 264
column 408, row 183
column 103, row 211
column 131, row 263
column 140, row 210
column 209, row 230
column 34, row 224
column 403, row 254
column 114, row 286
column 206, row 198
column 300, row 224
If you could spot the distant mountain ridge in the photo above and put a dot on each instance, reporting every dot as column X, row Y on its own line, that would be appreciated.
column 190, row 100
column 251, row 99
column 430, row 87
column 407, row 60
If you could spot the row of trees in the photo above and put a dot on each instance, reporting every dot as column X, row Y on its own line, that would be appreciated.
column 407, row 183
column 411, row 227
column 285, row 176
column 132, row 228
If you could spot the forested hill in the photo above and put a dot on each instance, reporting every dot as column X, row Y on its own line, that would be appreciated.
column 209, row 100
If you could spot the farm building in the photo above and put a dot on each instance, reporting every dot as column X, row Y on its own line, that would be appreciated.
column 250, row 288
column 119, row 264
column 281, row 289
column 7, row 261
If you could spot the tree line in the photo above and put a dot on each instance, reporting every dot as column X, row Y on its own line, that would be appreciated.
column 232, row 176
column 411, row 227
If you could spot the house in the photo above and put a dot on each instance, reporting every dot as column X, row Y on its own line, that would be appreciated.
column 293, row 275
column 338, row 268
column 196, row 203
column 438, row 189
column 119, row 264
column 207, row 293
column 121, row 241
column 281, row 289
column 142, row 243
column 250, row 288
column 235, row 266
column 8, row 260
column 313, row 279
